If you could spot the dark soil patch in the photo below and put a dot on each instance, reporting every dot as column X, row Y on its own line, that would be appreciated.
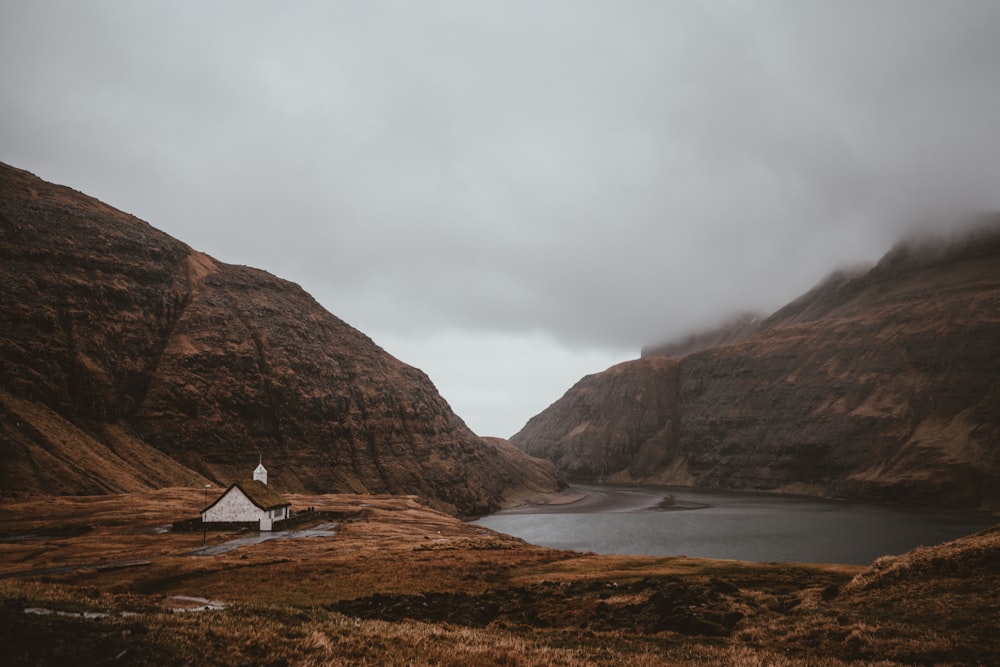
column 648, row 606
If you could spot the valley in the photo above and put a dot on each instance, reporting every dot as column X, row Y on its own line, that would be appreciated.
column 879, row 384
column 137, row 370
column 405, row 584
column 133, row 362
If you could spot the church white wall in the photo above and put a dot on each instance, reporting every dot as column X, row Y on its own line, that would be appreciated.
column 234, row 506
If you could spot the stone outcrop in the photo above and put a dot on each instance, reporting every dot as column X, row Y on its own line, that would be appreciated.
column 130, row 361
column 878, row 384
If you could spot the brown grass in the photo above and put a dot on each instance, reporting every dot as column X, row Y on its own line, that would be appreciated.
column 526, row 605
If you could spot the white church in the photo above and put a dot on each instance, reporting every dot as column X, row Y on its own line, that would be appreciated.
column 249, row 501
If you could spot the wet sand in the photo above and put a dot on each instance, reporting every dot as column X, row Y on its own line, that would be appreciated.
column 583, row 499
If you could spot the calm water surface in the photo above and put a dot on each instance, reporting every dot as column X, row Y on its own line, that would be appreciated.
column 734, row 525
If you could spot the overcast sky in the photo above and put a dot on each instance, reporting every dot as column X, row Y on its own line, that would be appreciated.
column 512, row 194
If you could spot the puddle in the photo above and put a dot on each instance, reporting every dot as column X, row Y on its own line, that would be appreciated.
column 187, row 603
column 175, row 603
column 161, row 529
column 44, row 611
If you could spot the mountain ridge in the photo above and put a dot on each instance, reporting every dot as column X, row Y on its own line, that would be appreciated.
column 875, row 385
column 732, row 330
column 122, row 344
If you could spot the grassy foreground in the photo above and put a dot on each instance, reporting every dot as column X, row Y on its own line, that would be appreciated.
column 94, row 580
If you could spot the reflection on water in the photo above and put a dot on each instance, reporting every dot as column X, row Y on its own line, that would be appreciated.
column 731, row 525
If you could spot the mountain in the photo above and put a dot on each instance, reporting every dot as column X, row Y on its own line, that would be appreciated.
column 878, row 384
column 733, row 330
column 129, row 361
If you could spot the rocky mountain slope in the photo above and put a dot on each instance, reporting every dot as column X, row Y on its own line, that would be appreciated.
column 733, row 330
column 130, row 361
column 878, row 384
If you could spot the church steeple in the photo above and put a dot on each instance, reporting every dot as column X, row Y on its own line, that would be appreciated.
column 260, row 472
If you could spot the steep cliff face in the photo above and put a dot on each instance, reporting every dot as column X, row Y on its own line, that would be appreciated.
column 132, row 361
column 610, row 423
column 875, row 385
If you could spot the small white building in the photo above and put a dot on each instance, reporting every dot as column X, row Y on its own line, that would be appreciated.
column 249, row 501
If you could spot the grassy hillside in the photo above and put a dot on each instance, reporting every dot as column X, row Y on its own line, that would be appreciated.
column 405, row 584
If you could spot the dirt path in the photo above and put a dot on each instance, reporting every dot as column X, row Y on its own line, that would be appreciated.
column 106, row 565
column 323, row 530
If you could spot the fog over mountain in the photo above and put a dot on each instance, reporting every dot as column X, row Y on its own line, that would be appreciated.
column 512, row 195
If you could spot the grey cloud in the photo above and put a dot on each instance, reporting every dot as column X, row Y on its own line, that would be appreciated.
column 607, row 173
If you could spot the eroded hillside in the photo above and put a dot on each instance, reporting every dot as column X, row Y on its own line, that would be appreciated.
column 879, row 385
column 131, row 361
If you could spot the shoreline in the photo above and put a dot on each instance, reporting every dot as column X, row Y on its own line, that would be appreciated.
column 597, row 498
column 671, row 504
column 593, row 499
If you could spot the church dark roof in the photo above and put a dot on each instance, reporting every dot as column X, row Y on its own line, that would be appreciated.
column 260, row 494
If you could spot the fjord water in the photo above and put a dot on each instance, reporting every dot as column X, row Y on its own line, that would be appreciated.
column 730, row 525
